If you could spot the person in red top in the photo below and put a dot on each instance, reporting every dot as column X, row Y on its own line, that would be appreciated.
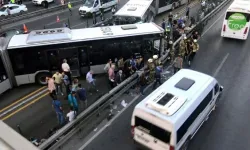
column 112, row 76
column 51, row 87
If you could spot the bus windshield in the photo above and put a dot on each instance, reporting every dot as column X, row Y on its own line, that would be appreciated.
column 89, row 3
column 122, row 20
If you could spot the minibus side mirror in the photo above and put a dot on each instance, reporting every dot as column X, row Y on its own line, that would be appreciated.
column 221, row 88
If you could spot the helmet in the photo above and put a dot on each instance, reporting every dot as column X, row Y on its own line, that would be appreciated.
column 195, row 41
column 185, row 37
column 155, row 57
column 150, row 60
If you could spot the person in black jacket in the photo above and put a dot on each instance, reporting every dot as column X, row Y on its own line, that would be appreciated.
column 142, row 83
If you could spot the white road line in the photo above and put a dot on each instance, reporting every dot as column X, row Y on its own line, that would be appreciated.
column 111, row 121
column 221, row 65
column 213, row 24
column 78, row 25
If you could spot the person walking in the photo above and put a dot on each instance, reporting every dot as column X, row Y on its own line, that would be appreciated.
column 66, row 70
column 73, row 101
column 51, row 87
column 91, row 81
column 158, row 71
column 178, row 62
column 108, row 66
column 81, row 92
column 112, row 76
column 58, row 82
column 70, row 7
column 187, row 11
column 75, row 84
column 119, row 77
column 71, row 114
column 66, row 82
column 142, row 83
column 56, row 104
column 194, row 50
column 163, row 24
column 120, row 63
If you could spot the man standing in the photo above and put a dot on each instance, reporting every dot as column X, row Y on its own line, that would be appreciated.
column 56, row 104
column 112, row 76
column 66, row 70
column 70, row 7
column 51, row 87
column 65, row 79
column 58, row 82
column 158, row 71
column 91, row 81
column 81, row 92
column 178, row 63
column 73, row 101
column 187, row 11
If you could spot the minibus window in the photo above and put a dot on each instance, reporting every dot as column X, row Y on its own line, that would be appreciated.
column 153, row 130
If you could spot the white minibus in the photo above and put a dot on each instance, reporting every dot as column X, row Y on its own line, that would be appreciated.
column 170, row 116
column 236, row 21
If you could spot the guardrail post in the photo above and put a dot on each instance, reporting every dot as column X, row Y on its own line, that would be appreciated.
column 19, row 129
column 68, row 23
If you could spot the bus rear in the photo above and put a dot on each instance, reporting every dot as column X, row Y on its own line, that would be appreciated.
column 236, row 21
column 151, row 132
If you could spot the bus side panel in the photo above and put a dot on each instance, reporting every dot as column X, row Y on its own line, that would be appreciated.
column 5, row 85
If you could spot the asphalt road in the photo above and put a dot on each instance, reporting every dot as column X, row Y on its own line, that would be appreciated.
column 226, row 129
column 37, row 119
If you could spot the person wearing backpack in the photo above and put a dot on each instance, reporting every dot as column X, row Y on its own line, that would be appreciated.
column 158, row 71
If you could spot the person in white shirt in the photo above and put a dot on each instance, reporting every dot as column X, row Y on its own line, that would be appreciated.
column 91, row 80
column 71, row 114
column 66, row 69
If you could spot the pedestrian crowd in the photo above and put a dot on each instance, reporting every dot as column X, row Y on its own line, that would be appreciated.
column 74, row 91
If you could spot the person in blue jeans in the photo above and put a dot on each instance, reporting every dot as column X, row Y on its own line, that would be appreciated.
column 73, row 101
column 56, row 104
column 81, row 92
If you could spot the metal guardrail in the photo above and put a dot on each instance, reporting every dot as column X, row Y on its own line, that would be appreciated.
column 112, row 95
column 42, row 12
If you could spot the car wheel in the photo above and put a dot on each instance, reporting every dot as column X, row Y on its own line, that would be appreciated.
column 41, row 78
column 44, row 4
column 21, row 12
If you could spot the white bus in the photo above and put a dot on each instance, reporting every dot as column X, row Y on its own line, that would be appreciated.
column 171, row 115
column 135, row 11
column 236, row 21
column 165, row 5
column 31, row 57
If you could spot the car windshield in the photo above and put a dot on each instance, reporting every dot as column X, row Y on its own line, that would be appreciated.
column 122, row 20
column 89, row 3
column 2, row 9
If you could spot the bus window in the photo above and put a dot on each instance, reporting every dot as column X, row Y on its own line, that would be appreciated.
column 53, row 60
column 96, row 54
column 231, row 13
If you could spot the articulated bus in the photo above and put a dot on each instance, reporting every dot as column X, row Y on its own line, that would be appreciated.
column 140, row 11
column 29, row 58
column 236, row 23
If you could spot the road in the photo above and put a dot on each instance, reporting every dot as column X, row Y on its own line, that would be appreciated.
column 75, row 20
column 38, row 118
column 227, row 128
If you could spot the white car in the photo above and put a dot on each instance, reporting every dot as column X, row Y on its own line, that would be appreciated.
column 41, row 2
column 14, row 9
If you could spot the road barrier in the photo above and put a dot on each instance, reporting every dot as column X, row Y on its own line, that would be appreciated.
column 12, row 19
column 64, row 133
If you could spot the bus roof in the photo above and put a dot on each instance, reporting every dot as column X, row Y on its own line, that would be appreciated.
column 65, row 35
column 135, row 8
column 201, row 80
column 240, row 6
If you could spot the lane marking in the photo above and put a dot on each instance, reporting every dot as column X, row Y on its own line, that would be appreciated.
column 22, row 103
column 23, row 98
column 78, row 24
column 25, row 106
column 220, row 66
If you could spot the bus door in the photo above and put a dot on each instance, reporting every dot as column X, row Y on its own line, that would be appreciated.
column 72, row 59
column 83, row 60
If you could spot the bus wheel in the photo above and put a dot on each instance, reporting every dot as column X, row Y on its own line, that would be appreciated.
column 41, row 78
column 185, row 145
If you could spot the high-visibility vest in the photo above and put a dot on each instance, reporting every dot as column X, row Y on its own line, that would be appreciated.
column 12, row 1
column 69, row 5
column 195, row 47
